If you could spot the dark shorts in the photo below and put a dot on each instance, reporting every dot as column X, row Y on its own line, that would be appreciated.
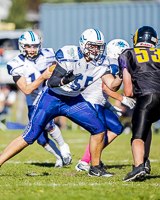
column 43, row 138
column 51, row 105
column 109, row 119
column 146, row 112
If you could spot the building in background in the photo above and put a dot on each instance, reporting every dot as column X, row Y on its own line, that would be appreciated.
column 62, row 24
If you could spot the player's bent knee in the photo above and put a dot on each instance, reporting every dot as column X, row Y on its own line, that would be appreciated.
column 42, row 142
column 29, row 142
column 118, row 129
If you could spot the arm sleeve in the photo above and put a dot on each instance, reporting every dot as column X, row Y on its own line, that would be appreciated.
column 124, row 61
column 57, row 75
column 16, row 78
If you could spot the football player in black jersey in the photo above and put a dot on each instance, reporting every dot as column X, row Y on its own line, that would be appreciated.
column 141, row 79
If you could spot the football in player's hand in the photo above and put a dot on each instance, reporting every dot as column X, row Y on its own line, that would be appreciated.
column 52, row 67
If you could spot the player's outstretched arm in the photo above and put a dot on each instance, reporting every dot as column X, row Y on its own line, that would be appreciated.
column 29, row 88
column 112, row 94
column 111, row 82
column 130, row 102
column 61, row 77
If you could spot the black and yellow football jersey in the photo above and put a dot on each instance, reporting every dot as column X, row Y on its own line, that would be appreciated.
column 143, row 63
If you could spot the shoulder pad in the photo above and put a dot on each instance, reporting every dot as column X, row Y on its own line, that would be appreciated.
column 68, row 52
column 47, row 51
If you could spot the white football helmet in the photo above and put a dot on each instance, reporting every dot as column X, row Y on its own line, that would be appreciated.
column 92, row 43
column 116, row 47
column 29, row 38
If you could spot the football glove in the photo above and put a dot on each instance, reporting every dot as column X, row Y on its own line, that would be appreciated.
column 117, row 111
column 69, row 77
column 130, row 102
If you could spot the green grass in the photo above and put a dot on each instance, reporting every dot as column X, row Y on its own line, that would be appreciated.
column 31, row 174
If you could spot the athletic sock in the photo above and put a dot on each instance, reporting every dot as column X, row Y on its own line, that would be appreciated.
column 57, row 136
column 52, row 148
column 87, row 156
column 65, row 150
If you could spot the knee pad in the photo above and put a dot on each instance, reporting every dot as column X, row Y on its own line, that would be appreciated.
column 112, row 122
column 118, row 129
column 50, row 126
column 43, row 139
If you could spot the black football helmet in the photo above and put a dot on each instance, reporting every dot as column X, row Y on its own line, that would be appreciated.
column 145, row 36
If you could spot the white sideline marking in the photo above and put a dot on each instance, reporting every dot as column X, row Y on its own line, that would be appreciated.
column 80, row 146
column 55, row 184
column 3, row 145
column 111, row 161
column 81, row 184
column 73, row 141
column 48, row 161
column 29, row 161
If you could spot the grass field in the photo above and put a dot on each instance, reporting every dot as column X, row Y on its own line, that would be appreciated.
column 31, row 174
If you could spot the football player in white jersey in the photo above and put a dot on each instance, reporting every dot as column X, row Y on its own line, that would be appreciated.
column 99, row 99
column 30, row 70
column 63, row 97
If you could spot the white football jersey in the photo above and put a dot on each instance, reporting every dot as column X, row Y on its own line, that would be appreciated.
column 94, row 93
column 31, row 70
column 71, row 58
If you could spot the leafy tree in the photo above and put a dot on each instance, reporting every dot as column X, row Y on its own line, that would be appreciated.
column 17, row 14
column 20, row 8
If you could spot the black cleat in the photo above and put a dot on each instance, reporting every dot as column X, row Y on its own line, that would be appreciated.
column 138, row 173
column 147, row 166
column 98, row 171
column 103, row 165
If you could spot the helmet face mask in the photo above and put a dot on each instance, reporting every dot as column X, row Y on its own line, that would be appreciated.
column 31, row 51
column 145, row 36
column 94, row 51
column 29, row 39
column 116, row 47
column 92, row 44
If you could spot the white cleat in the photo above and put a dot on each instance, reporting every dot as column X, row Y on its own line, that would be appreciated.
column 82, row 166
column 66, row 154
column 59, row 163
column 67, row 159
